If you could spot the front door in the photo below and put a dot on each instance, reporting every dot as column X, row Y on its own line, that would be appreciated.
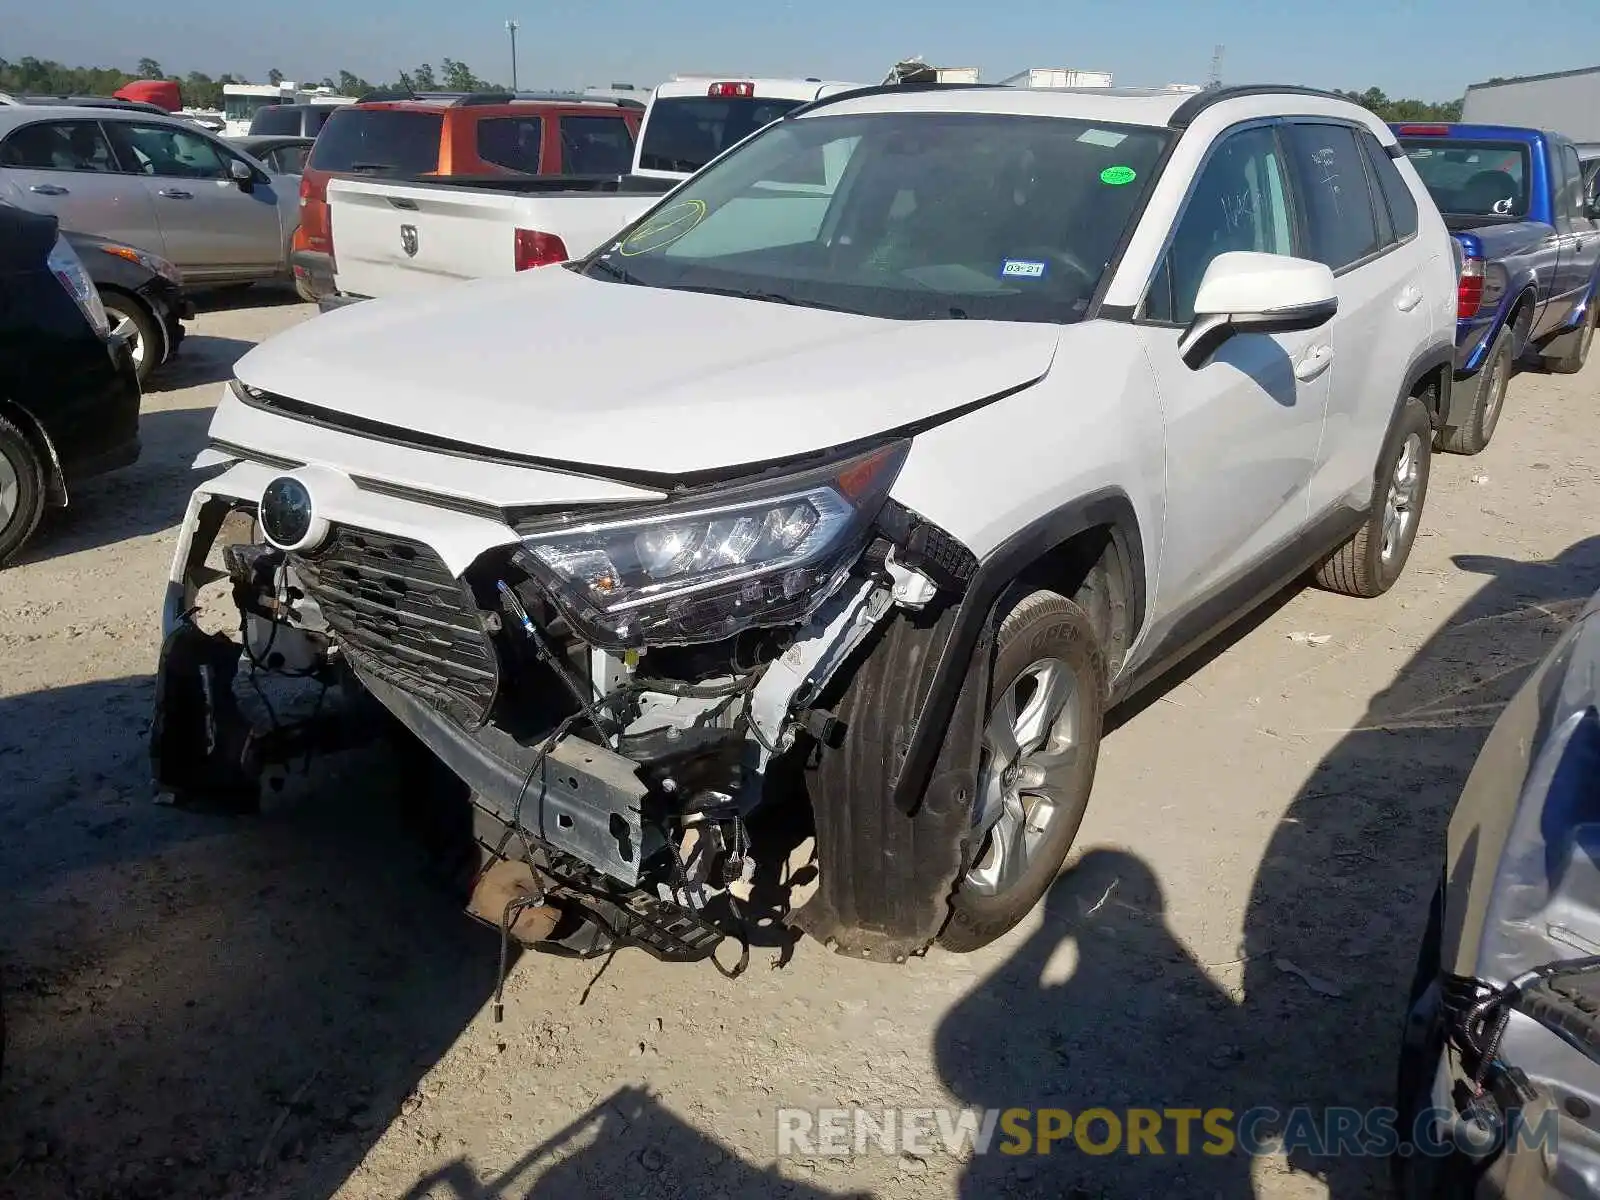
column 213, row 228
column 1242, row 431
column 1580, row 241
column 65, row 169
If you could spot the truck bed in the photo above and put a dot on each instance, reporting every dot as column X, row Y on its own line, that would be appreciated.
column 393, row 238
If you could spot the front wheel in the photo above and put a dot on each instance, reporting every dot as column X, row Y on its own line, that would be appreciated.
column 1370, row 562
column 22, row 489
column 1040, row 744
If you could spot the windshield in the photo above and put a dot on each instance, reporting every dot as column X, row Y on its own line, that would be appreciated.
column 242, row 108
column 379, row 141
column 684, row 133
column 906, row 215
column 1472, row 179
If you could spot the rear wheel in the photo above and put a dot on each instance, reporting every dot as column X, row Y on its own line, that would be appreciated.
column 132, row 320
column 303, row 289
column 22, row 489
column 1488, row 399
column 1040, row 744
column 1572, row 361
column 1370, row 562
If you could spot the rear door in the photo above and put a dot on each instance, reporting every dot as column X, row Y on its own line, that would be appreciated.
column 213, row 228
column 67, row 169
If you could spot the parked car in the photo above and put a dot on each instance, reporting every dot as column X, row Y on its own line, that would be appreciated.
column 69, row 391
column 282, row 154
column 909, row 373
column 1502, row 1026
column 300, row 120
column 157, row 183
column 1529, row 251
column 69, row 101
column 143, row 297
column 489, row 134
column 408, row 236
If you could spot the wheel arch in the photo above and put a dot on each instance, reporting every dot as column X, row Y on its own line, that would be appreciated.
column 1431, row 377
column 33, row 429
column 149, row 311
column 1519, row 319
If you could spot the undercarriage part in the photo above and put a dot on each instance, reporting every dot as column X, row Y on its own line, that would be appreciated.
column 200, row 741
column 885, row 878
column 504, row 883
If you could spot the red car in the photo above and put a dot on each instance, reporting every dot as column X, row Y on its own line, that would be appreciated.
column 488, row 134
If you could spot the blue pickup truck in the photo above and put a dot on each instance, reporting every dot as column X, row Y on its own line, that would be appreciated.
column 1527, row 230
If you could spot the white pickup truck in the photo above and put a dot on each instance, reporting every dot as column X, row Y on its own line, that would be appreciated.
column 400, row 238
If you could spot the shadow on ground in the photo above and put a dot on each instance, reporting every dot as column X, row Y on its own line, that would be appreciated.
column 202, row 359
column 308, row 976
column 627, row 1145
column 1327, row 951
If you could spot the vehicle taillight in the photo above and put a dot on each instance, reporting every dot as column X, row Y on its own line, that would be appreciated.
column 1424, row 130
column 305, row 190
column 534, row 248
column 735, row 91
column 1469, row 288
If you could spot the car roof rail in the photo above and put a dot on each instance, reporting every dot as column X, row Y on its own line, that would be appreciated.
column 1184, row 115
column 379, row 94
column 471, row 98
column 889, row 89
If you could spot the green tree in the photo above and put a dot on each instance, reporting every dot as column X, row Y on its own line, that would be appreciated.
column 149, row 68
column 274, row 77
column 458, row 77
column 350, row 84
column 422, row 79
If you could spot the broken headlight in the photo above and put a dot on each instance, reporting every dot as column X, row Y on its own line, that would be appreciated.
column 703, row 569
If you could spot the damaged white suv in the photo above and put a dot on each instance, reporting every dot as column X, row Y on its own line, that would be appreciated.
column 860, row 476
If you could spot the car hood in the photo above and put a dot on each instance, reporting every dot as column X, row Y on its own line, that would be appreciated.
column 560, row 367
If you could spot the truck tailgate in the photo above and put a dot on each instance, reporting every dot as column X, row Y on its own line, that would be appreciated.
column 390, row 239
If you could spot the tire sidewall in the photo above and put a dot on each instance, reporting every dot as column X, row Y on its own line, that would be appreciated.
column 1412, row 419
column 30, row 492
column 1055, row 628
column 1488, row 408
column 149, row 333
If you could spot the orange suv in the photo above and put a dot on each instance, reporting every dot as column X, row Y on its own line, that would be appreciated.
column 400, row 135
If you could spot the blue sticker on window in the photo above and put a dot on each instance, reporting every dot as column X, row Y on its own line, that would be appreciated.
column 1022, row 268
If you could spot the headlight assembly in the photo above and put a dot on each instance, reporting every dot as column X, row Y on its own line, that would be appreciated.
column 765, row 553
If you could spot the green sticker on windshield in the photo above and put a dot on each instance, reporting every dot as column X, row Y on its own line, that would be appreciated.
column 664, row 228
column 1117, row 176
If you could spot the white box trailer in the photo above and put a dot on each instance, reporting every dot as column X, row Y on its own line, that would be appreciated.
column 1566, row 102
column 1058, row 77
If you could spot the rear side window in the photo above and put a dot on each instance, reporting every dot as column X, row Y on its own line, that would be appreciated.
column 289, row 160
column 511, row 142
column 58, row 146
column 379, row 141
column 280, row 118
column 1340, row 224
column 684, row 133
column 1397, row 196
column 1571, row 199
column 595, row 146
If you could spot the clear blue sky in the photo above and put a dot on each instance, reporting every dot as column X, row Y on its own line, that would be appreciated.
column 1429, row 49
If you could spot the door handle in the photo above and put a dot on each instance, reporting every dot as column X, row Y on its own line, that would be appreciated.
column 1408, row 299
column 48, row 189
column 175, row 194
column 1313, row 364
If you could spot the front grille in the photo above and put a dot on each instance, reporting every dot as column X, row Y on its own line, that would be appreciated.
column 396, row 610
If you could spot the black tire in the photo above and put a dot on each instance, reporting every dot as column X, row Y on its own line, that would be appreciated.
column 152, row 344
column 1360, row 567
column 19, row 518
column 1041, row 626
column 1572, row 362
column 1488, row 399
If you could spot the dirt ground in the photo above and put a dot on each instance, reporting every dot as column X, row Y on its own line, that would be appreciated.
column 281, row 1006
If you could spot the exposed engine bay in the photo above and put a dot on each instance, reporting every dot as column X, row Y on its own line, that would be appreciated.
column 613, row 761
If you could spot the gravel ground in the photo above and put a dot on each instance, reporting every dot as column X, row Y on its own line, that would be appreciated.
column 281, row 1006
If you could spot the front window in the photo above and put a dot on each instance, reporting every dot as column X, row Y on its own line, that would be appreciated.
column 684, row 133
column 1472, row 178
column 907, row 215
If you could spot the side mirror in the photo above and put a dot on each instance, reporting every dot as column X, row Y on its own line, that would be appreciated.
column 1591, row 208
column 241, row 173
column 1248, row 292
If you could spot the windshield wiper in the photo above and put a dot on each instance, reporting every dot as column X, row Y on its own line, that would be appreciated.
column 370, row 166
column 608, row 268
column 746, row 294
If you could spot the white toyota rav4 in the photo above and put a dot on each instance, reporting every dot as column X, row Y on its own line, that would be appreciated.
column 857, row 480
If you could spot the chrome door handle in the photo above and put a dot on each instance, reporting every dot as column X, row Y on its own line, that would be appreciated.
column 48, row 189
column 1408, row 299
column 175, row 194
column 1313, row 364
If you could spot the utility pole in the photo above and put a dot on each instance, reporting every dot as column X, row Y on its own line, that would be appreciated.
column 1216, row 66
column 511, row 28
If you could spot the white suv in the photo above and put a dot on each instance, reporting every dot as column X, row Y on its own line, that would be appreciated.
column 862, row 475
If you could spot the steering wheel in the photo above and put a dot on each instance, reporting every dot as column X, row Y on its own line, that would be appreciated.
column 1061, row 259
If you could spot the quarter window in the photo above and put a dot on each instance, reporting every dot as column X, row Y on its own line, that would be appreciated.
column 1340, row 224
column 511, row 142
column 595, row 146
column 1239, row 202
column 59, row 146
column 1402, row 205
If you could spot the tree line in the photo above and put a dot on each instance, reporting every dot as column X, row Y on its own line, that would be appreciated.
column 200, row 90
column 43, row 77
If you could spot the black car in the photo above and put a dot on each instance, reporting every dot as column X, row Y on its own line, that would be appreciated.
column 142, row 294
column 304, row 120
column 69, row 392
column 284, row 153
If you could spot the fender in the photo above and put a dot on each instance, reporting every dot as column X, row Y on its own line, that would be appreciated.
column 1520, row 285
column 1438, row 360
column 972, row 626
